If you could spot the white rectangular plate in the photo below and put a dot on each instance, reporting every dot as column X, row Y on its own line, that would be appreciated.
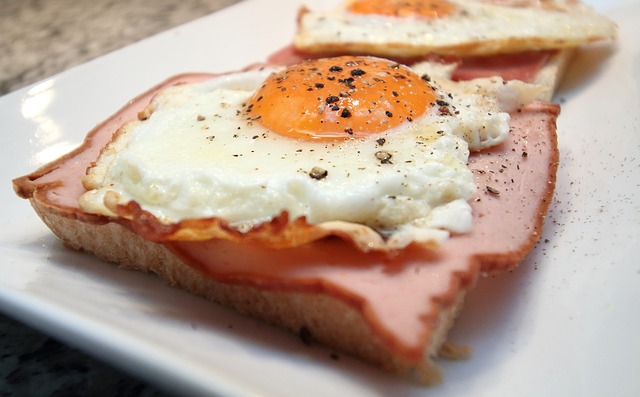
column 565, row 323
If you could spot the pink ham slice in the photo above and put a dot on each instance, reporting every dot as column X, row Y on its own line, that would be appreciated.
column 398, row 296
column 522, row 66
column 401, row 296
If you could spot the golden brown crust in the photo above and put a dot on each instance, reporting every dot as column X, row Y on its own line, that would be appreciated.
column 405, row 50
column 279, row 233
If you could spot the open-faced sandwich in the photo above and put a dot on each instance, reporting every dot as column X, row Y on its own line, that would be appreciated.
column 352, row 199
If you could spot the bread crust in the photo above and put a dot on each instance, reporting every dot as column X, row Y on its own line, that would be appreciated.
column 551, row 74
column 320, row 317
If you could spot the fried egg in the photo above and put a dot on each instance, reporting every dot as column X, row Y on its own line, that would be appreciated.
column 409, row 28
column 359, row 147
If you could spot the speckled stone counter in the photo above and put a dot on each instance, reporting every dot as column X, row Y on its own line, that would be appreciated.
column 39, row 38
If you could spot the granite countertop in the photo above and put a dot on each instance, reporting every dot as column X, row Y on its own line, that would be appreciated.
column 38, row 39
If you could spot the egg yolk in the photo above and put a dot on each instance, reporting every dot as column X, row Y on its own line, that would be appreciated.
column 402, row 8
column 340, row 98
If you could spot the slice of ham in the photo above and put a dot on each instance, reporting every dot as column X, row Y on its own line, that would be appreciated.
column 401, row 296
column 523, row 66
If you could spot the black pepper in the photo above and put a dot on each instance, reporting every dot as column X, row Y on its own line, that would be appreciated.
column 318, row 173
column 444, row 110
column 384, row 157
column 332, row 99
column 305, row 336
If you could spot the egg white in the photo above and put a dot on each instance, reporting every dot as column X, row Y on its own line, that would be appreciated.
column 199, row 155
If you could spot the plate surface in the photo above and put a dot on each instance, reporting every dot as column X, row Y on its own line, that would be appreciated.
column 565, row 323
